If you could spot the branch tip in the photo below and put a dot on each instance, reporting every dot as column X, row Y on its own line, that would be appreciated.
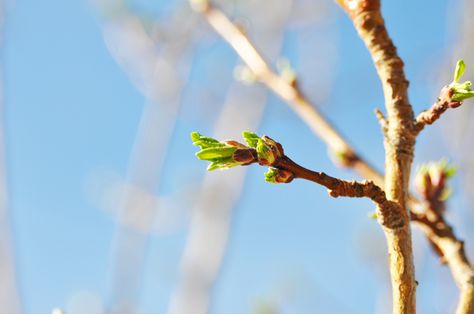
column 451, row 96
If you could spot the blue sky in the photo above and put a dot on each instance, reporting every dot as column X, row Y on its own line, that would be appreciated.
column 71, row 110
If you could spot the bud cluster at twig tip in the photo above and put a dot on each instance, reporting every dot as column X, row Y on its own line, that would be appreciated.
column 227, row 154
column 459, row 91
column 274, row 175
column 431, row 180
column 223, row 155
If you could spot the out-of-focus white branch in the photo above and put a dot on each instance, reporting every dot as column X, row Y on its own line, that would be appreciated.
column 159, row 71
column 135, row 49
column 212, row 212
column 9, row 297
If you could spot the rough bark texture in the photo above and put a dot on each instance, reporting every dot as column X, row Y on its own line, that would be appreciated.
column 452, row 253
column 399, row 144
column 463, row 273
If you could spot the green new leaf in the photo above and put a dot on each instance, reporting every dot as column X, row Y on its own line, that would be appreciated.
column 251, row 138
column 204, row 141
column 461, row 91
column 265, row 152
column 429, row 174
column 444, row 167
column 450, row 171
column 461, row 94
column 460, row 69
column 446, row 194
column 271, row 174
column 215, row 153
column 227, row 154
column 195, row 136
column 222, row 163
column 220, row 154
column 435, row 168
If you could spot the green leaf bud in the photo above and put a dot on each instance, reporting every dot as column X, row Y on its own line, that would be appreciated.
column 460, row 91
column 459, row 70
column 215, row 152
column 274, row 175
column 251, row 138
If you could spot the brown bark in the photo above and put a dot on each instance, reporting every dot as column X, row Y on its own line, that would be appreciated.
column 442, row 104
column 399, row 144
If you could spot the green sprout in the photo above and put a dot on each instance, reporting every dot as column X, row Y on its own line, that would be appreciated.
column 431, row 179
column 274, row 175
column 228, row 154
column 251, row 138
column 271, row 175
column 220, row 154
column 267, row 149
column 461, row 91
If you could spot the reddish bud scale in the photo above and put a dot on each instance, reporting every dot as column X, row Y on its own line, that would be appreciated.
column 284, row 176
column 245, row 156
column 235, row 144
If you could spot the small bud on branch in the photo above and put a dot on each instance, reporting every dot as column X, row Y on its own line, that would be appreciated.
column 451, row 96
column 431, row 183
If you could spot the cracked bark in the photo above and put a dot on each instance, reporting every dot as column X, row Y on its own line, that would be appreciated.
column 399, row 144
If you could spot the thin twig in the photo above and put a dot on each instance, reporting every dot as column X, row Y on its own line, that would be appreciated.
column 226, row 154
column 432, row 186
column 382, row 120
column 442, row 104
column 452, row 251
column 387, row 210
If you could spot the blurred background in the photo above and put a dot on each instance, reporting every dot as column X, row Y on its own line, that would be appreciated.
column 105, row 209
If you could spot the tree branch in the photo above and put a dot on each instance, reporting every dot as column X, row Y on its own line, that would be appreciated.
column 387, row 211
column 452, row 253
column 323, row 129
column 431, row 183
column 451, row 96
column 443, row 103
column 267, row 152
column 382, row 120
column 399, row 143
